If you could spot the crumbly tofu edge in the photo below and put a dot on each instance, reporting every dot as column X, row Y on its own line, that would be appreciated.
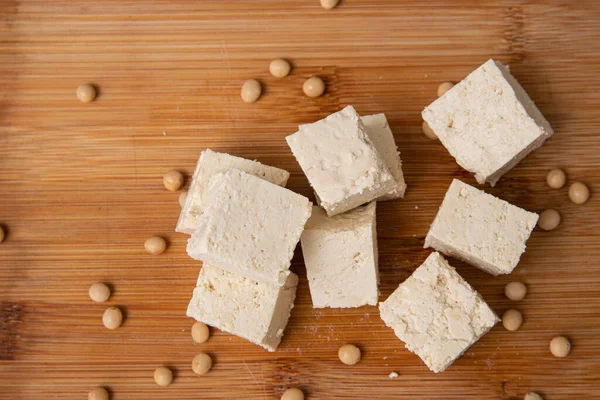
column 384, row 142
column 376, row 255
column 187, row 205
column 530, row 107
column 282, row 313
column 475, row 340
column 533, row 112
column 357, row 200
column 439, row 245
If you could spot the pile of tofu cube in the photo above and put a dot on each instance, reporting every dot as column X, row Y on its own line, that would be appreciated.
column 244, row 224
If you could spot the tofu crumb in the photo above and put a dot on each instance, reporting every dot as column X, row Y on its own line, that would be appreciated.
column 393, row 375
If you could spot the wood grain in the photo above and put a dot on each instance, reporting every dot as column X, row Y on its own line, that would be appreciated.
column 80, row 188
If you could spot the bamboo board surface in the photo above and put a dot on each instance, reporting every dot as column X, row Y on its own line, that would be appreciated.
column 80, row 188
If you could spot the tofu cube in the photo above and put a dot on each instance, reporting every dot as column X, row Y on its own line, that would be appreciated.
column 340, row 254
column 341, row 162
column 480, row 229
column 378, row 130
column 437, row 314
column 252, row 310
column 249, row 227
column 211, row 165
column 487, row 122
column 381, row 135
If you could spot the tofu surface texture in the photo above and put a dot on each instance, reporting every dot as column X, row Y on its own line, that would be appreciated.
column 437, row 314
column 341, row 162
column 340, row 254
column 488, row 122
column 250, row 227
column 381, row 135
column 252, row 310
column 211, row 165
column 480, row 229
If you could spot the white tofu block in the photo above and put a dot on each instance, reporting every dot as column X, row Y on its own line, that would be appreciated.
column 211, row 165
column 341, row 162
column 381, row 135
column 378, row 130
column 437, row 314
column 480, row 229
column 487, row 122
column 340, row 254
column 252, row 310
column 249, row 227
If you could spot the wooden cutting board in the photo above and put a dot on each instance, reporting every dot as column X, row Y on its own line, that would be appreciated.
column 81, row 189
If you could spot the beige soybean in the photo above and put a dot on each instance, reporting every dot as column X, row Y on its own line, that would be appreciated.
column 86, row 93
column 98, row 393
column 579, row 193
column 200, row 332
column 173, row 180
column 349, row 354
column 549, row 219
column 2, row 234
column 201, row 364
column 329, row 4
column 533, row 396
column 112, row 318
column 182, row 197
column 428, row 131
column 292, row 394
column 560, row 346
column 444, row 87
column 251, row 91
column 556, row 178
column 280, row 68
column 163, row 376
column 313, row 86
column 155, row 245
column 515, row 291
column 512, row 320
column 99, row 292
